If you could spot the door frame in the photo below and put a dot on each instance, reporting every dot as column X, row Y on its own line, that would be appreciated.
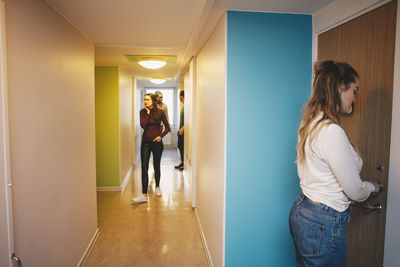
column 392, row 235
column 5, row 167
column 332, row 16
column 192, row 161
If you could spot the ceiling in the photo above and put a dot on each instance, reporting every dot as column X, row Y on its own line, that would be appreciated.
column 159, row 27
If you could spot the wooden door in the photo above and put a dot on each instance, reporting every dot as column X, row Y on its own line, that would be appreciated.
column 367, row 43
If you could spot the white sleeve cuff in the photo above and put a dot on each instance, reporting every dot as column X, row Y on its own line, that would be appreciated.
column 371, row 187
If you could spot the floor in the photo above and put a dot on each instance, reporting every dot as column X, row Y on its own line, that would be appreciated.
column 162, row 232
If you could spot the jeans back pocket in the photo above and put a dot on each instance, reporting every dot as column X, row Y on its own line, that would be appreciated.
column 307, row 233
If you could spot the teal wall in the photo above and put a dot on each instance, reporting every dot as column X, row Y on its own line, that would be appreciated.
column 269, row 65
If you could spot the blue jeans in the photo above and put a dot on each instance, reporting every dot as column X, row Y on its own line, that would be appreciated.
column 319, row 233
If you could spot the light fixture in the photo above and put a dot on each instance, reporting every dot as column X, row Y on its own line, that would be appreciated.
column 158, row 80
column 152, row 64
column 152, row 61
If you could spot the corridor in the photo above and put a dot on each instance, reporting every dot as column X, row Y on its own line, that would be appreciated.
column 71, row 88
column 162, row 232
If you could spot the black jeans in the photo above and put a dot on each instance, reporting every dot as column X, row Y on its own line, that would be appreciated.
column 145, row 149
column 180, row 146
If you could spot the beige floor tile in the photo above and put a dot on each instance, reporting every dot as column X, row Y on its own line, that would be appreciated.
column 162, row 232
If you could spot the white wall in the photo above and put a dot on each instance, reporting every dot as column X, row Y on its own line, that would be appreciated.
column 211, row 138
column 136, row 116
column 190, row 127
column 188, row 105
column 125, row 124
column 392, row 234
column 135, row 122
column 52, row 135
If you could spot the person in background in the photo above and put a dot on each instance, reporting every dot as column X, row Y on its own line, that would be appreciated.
column 150, row 118
column 161, row 105
column 181, row 130
column 328, row 166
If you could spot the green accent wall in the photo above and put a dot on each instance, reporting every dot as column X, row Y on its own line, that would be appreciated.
column 107, row 126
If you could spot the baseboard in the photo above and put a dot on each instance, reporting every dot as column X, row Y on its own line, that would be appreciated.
column 108, row 188
column 86, row 254
column 126, row 179
column 123, row 185
column 203, row 238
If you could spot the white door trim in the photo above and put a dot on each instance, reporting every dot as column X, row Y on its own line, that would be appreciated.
column 193, row 69
column 5, row 195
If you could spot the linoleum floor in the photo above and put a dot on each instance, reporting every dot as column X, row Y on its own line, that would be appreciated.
column 162, row 232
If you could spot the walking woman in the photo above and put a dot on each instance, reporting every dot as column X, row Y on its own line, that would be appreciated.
column 150, row 119
column 328, row 166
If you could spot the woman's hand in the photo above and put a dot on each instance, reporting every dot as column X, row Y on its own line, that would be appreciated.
column 157, row 139
column 377, row 188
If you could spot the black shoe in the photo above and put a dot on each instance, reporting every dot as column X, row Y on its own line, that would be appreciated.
column 179, row 166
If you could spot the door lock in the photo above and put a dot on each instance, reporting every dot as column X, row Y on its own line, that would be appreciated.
column 379, row 168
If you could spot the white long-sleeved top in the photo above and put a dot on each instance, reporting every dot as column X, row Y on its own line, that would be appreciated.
column 330, row 172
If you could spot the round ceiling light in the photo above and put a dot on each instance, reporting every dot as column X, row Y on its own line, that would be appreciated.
column 152, row 64
column 158, row 80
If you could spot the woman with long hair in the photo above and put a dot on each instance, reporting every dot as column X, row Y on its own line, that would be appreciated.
column 150, row 118
column 328, row 166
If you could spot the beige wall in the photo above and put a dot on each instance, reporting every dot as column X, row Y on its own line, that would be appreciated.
column 125, row 123
column 52, row 135
column 392, row 236
column 211, row 138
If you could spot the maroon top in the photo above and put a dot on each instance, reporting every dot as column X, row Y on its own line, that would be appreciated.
column 151, row 125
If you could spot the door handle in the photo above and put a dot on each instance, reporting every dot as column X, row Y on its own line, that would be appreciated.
column 377, row 207
column 16, row 259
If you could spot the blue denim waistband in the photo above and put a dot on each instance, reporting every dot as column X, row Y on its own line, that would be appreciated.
column 320, row 208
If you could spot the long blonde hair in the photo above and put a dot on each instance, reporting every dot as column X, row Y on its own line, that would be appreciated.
column 324, row 101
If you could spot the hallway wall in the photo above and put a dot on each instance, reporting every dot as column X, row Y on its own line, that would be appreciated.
column 114, row 126
column 52, row 132
column 190, row 127
column 107, row 126
column 268, row 81
column 211, row 137
column 125, row 124
column 135, row 123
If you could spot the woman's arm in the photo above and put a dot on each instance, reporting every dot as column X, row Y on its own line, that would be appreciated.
column 144, row 118
column 338, row 154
